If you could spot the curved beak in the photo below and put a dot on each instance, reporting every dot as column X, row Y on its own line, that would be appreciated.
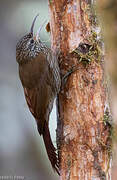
column 33, row 23
column 39, row 30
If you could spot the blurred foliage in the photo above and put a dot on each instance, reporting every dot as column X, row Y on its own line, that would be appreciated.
column 108, row 15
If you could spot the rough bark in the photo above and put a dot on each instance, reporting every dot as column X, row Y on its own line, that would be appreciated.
column 84, row 128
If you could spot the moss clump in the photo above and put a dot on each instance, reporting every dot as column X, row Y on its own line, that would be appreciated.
column 50, row 1
column 84, row 57
column 108, row 124
column 90, row 52
column 107, row 118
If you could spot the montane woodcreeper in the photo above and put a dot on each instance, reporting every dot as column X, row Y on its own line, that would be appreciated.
column 40, row 78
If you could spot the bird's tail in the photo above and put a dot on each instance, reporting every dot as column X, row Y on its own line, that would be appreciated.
column 50, row 149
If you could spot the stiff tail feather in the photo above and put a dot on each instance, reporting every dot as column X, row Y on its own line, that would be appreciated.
column 50, row 149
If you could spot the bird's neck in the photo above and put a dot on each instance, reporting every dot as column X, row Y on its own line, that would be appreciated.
column 44, row 48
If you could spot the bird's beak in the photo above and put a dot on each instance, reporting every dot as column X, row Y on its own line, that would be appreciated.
column 33, row 23
column 39, row 30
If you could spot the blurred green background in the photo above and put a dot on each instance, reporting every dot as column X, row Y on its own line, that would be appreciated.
column 22, row 152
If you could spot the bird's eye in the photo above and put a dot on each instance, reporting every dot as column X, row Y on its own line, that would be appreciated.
column 32, row 41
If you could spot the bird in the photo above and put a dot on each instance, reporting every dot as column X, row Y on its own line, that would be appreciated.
column 40, row 77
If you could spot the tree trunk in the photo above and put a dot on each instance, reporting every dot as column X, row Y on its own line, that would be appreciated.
column 84, row 120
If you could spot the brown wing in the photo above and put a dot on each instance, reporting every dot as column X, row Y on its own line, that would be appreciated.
column 34, row 72
column 37, row 80
column 40, row 104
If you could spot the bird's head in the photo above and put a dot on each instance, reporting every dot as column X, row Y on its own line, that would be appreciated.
column 29, row 45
